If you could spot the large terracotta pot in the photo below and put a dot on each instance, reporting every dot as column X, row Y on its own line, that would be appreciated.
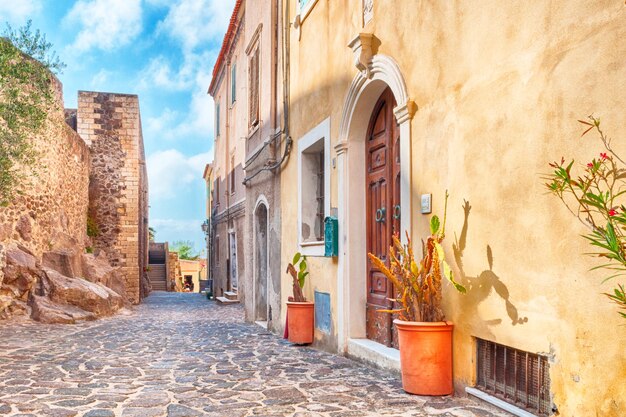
column 426, row 357
column 300, row 321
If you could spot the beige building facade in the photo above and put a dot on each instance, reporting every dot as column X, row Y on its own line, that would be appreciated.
column 228, row 91
column 476, row 101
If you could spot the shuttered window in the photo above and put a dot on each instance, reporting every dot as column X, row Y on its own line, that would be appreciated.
column 254, row 88
column 233, row 83
column 217, row 120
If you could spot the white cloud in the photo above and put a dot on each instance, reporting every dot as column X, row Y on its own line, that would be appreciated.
column 194, row 22
column 99, row 80
column 170, row 172
column 105, row 24
column 162, row 125
column 193, row 75
column 18, row 11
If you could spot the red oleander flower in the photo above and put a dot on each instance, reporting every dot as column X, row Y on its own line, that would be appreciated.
column 604, row 156
column 612, row 212
column 590, row 165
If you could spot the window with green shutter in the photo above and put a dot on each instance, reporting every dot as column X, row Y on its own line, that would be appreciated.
column 233, row 83
column 217, row 119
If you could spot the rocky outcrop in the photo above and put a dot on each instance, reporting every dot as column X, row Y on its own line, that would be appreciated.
column 21, row 274
column 97, row 269
column 65, row 261
column 78, row 292
column 45, row 311
column 54, row 290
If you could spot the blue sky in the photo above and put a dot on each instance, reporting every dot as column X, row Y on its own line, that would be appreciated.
column 163, row 51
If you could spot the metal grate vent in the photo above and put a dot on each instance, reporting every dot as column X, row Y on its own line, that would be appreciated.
column 518, row 377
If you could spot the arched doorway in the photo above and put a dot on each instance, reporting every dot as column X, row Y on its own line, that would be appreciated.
column 361, row 109
column 382, row 194
column 260, row 263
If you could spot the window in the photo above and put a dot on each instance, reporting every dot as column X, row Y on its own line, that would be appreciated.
column 233, row 84
column 304, row 8
column 217, row 119
column 232, row 175
column 314, row 189
column 254, row 89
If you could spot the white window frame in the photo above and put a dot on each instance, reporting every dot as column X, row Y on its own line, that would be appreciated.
column 304, row 11
column 319, row 132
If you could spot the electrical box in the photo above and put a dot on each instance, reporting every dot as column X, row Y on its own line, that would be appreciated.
column 331, row 236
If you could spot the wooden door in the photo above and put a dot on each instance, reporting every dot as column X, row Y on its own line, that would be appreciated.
column 382, row 212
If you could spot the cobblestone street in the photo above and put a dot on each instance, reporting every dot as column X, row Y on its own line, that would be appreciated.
column 179, row 355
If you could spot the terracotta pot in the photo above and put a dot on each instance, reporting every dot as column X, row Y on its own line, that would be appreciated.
column 300, row 321
column 426, row 357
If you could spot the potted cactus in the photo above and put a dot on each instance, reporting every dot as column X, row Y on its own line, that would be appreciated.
column 300, row 312
column 425, row 338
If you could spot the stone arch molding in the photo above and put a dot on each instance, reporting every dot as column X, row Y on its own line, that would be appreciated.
column 376, row 72
column 377, row 68
column 261, row 200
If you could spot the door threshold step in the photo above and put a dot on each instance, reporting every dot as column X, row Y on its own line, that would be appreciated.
column 231, row 295
column 224, row 300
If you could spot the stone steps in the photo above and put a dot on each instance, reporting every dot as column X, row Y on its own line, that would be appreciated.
column 158, row 277
column 231, row 295
column 224, row 300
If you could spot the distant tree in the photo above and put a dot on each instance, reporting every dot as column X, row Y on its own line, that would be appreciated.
column 26, row 96
column 151, row 233
column 185, row 249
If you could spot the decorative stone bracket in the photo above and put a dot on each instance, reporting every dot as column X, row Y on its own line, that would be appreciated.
column 361, row 47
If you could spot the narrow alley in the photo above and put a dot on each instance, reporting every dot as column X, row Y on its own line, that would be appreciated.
column 181, row 355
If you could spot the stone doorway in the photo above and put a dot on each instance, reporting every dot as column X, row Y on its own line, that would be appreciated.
column 260, row 263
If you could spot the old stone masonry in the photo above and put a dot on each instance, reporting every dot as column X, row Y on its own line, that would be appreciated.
column 181, row 355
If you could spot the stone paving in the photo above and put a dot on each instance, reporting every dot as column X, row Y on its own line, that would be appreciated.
column 179, row 355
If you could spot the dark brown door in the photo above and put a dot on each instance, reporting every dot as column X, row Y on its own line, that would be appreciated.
column 383, row 212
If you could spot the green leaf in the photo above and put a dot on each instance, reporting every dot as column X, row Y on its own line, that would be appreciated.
column 447, row 272
column 296, row 258
column 434, row 224
column 303, row 265
column 302, row 278
column 439, row 249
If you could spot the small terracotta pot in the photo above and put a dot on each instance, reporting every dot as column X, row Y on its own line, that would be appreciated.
column 426, row 357
column 300, row 321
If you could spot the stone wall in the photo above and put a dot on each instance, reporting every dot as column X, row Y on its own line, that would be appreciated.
column 174, row 274
column 111, row 126
column 52, row 205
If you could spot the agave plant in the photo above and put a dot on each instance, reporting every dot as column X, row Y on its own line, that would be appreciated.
column 297, row 270
column 418, row 284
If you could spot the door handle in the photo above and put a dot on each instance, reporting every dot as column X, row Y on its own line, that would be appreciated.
column 380, row 215
column 396, row 211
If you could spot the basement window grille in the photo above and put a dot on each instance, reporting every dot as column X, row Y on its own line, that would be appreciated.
column 518, row 377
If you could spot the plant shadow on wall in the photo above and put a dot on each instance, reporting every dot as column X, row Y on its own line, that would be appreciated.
column 482, row 284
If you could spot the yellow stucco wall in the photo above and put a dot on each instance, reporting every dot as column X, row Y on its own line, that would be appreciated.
column 499, row 86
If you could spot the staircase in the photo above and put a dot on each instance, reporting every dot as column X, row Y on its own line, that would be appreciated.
column 157, row 272
column 157, row 275
column 230, row 297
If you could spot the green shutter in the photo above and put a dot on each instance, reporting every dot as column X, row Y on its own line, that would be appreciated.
column 217, row 120
column 233, row 84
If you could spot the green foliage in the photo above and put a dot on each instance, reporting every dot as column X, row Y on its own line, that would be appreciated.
column 34, row 45
column 25, row 98
column 596, row 197
column 89, row 249
column 185, row 250
column 298, row 271
column 151, row 233
column 92, row 227
column 418, row 284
